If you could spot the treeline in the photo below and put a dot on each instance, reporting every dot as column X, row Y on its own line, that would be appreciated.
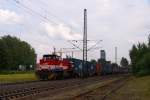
column 15, row 53
column 140, row 58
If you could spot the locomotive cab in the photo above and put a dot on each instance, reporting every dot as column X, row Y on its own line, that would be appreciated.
column 53, row 66
column 48, row 67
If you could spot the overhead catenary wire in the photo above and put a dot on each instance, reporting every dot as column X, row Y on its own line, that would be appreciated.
column 94, row 45
column 34, row 12
column 74, row 45
column 90, row 48
column 43, row 18
column 53, row 15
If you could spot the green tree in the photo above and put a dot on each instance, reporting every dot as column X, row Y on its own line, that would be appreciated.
column 139, row 55
column 93, row 61
column 124, row 62
column 143, row 65
column 14, row 52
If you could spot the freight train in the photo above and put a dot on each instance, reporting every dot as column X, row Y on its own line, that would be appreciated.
column 52, row 66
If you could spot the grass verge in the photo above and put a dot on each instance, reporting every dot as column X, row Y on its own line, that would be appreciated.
column 8, row 78
column 136, row 89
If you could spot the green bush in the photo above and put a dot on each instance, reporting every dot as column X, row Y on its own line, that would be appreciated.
column 140, row 58
column 143, row 66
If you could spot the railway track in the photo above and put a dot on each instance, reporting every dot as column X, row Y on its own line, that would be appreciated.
column 15, row 83
column 104, row 91
column 114, row 89
column 18, row 90
column 29, row 90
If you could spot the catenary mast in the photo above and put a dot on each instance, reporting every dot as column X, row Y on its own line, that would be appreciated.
column 85, row 43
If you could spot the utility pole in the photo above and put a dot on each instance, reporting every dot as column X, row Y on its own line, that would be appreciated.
column 84, row 48
column 84, row 67
column 72, row 54
column 54, row 51
column 116, row 55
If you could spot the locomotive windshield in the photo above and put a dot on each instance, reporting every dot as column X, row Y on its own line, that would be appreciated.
column 47, row 57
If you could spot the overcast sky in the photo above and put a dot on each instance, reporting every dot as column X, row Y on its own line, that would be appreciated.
column 48, row 23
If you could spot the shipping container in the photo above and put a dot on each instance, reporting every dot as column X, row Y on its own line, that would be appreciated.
column 77, row 67
column 98, row 69
column 107, row 69
column 91, row 69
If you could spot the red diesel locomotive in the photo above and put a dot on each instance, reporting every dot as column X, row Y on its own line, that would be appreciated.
column 53, row 66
